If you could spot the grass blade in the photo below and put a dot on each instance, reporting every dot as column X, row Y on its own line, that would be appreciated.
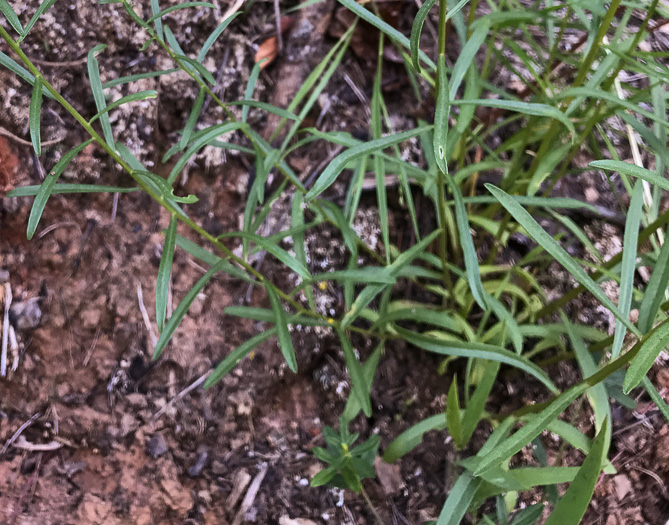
column 449, row 347
column 476, row 404
column 138, row 76
column 164, row 272
column 572, row 506
column 651, row 347
column 155, row 9
column 532, row 429
column 359, row 385
column 386, row 28
column 353, row 405
column 654, row 295
column 30, row 191
column 466, row 58
column 250, row 87
column 234, row 357
column 339, row 163
column 453, row 421
column 265, row 106
column 628, row 267
column 134, row 97
column 633, row 170
column 412, row 437
column 211, row 39
column 46, row 189
column 44, row 6
column 441, row 114
column 552, row 247
column 98, row 94
column 181, row 310
column 416, row 29
column 285, row 342
column 183, row 5
column 459, row 498
column 11, row 16
column 35, row 116
column 192, row 119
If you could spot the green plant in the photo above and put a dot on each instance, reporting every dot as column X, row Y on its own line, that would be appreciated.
column 488, row 312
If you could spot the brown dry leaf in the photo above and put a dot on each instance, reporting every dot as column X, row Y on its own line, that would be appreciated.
column 389, row 476
column 8, row 164
column 269, row 49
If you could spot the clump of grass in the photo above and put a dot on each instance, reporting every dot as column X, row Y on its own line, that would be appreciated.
column 482, row 311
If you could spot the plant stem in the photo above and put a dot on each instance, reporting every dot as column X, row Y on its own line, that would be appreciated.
column 377, row 516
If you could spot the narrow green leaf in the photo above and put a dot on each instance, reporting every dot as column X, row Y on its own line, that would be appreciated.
column 628, row 267
column 262, row 105
column 183, row 5
column 572, row 506
column 526, row 108
column 140, row 95
column 416, row 29
column 552, row 247
column 43, row 7
column 633, row 170
column 182, row 308
column 651, row 347
column 359, row 385
column 476, row 404
column 205, row 138
column 654, row 295
column 285, row 342
column 368, row 274
column 450, row 347
column 164, row 272
column 234, row 357
column 98, row 94
column 11, row 16
column 192, row 119
column 459, row 498
column 466, row 57
column 412, row 437
column 453, row 421
column 29, row 191
column 211, row 39
column 138, row 76
column 341, row 161
column 468, row 249
column 441, row 113
column 532, row 429
column 203, row 71
column 251, row 86
column 15, row 68
column 46, row 189
column 353, row 405
column 597, row 395
column 35, row 116
column 386, row 28
column 155, row 10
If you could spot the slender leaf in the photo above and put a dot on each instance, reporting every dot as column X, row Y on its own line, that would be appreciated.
column 35, row 116
column 416, row 29
column 650, row 348
column 466, row 57
column 182, row 308
column 11, row 16
column 29, row 191
column 342, row 160
column 140, row 95
column 450, row 347
column 459, row 498
column 359, row 385
column 552, row 247
column 633, row 170
column 411, row 438
column 628, row 267
column 138, row 76
column 453, row 421
column 572, row 506
column 43, row 8
column 46, row 189
column 263, row 105
column 164, row 272
column 211, row 39
column 281, row 322
column 183, row 5
column 98, row 94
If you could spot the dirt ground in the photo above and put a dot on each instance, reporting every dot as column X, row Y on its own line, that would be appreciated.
column 108, row 436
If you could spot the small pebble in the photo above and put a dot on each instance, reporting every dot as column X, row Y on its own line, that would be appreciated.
column 4, row 276
column 200, row 462
column 157, row 446
column 26, row 315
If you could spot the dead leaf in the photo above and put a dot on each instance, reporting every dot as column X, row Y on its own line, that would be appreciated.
column 285, row 520
column 622, row 486
column 8, row 164
column 389, row 476
column 269, row 50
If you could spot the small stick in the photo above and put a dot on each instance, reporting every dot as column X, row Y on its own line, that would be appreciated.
column 5, row 330
column 90, row 350
column 277, row 15
column 18, row 433
column 250, row 497
column 182, row 394
column 11, row 135
column 145, row 315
